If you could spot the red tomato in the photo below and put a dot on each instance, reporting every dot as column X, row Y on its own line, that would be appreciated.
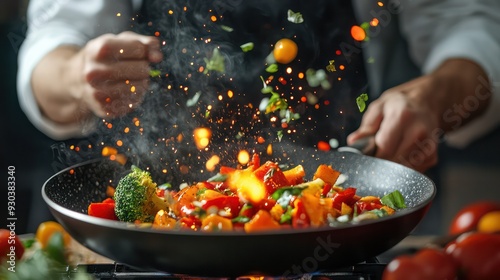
column 468, row 217
column 11, row 248
column 478, row 255
column 429, row 264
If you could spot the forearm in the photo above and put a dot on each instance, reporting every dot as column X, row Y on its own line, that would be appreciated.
column 54, row 83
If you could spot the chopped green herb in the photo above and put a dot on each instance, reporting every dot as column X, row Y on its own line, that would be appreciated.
column 215, row 63
column 293, row 190
column 226, row 28
column 240, row 219
column 154, row 73
column 191, row 102
column 294, row 17
column 379, row 212
column 361, row 102
column 218, row 178
column 269, row 174
column 200, row 192
column 287, row 216
column 28, row 243
column 280, row 135
column 394, row 200
column 165, row 186
column 317, row 78
column 247, row 47
column 273, row 68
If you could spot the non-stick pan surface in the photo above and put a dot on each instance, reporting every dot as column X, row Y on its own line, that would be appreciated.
column 229, row 254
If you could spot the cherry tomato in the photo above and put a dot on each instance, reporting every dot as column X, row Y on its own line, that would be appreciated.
column 478, row 255
column 426, row 264
column 285, row 51
column 489, row 222
column 45, row 231
column 9, row 242
column 468, row 217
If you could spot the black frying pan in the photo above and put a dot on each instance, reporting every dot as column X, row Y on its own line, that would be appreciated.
column 228, row 254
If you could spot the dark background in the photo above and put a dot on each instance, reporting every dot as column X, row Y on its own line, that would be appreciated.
column 463, row 176
column 22, row 145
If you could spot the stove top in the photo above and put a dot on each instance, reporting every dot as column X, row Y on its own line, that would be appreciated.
column 368, row 270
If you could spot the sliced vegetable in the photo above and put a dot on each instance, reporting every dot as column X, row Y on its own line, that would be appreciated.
column 294, row 17
column 247, row 47
column 361, row 102
column 215, row 63
column 105, row 210
column 394, row 200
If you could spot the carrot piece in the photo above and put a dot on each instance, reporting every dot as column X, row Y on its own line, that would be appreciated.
column 262, row 220
column 102, row 210
column 295, row 175
column 314, row 210
column 327, row 174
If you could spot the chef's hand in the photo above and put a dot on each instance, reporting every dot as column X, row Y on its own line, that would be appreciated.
column 409, row 120
column 107, row 77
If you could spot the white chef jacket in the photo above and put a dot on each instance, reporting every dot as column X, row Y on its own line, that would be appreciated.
column 433, row 32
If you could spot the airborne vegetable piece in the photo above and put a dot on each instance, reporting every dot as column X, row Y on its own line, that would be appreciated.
column 135, row 197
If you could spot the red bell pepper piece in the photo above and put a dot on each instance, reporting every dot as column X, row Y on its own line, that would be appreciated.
column 226, row 170
column 299, row 215
column 272, row 176
column 102, row 210
column 362, row 206
column 266, row 204
column 231, row 203
column 326, row 189
column 255, row 163
column 109, row 200
column 190, row 222
column 346, row 196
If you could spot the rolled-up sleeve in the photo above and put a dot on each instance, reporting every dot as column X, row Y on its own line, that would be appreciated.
column 441, row 30
column 63, row 22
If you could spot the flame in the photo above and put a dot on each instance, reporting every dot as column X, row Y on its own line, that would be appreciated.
column 108, row 151
column 202, row 137
column 243, row 157
column 269, row 149
column 247, row 185
column 212, row 163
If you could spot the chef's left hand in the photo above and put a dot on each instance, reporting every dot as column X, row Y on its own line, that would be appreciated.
column 409, row 120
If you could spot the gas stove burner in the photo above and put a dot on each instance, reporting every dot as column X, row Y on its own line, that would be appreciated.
column 369, row 270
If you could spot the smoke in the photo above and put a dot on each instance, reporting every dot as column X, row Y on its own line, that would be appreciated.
column 159, row 134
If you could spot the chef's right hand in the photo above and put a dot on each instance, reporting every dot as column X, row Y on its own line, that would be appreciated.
column 115, row 72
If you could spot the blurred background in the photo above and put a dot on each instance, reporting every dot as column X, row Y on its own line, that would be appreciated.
column 21, row 144
column 463, row 176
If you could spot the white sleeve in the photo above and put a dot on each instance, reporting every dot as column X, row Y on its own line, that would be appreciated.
column 440, row 30
column 63, row 22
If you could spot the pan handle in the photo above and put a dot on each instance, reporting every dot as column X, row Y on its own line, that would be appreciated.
column 365, row 146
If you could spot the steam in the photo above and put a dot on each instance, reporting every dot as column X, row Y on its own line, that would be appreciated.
column 160, row 131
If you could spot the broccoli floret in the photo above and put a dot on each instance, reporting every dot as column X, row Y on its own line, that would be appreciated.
column 135, row 197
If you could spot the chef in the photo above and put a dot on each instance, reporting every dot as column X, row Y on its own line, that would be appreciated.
column 429, row 66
